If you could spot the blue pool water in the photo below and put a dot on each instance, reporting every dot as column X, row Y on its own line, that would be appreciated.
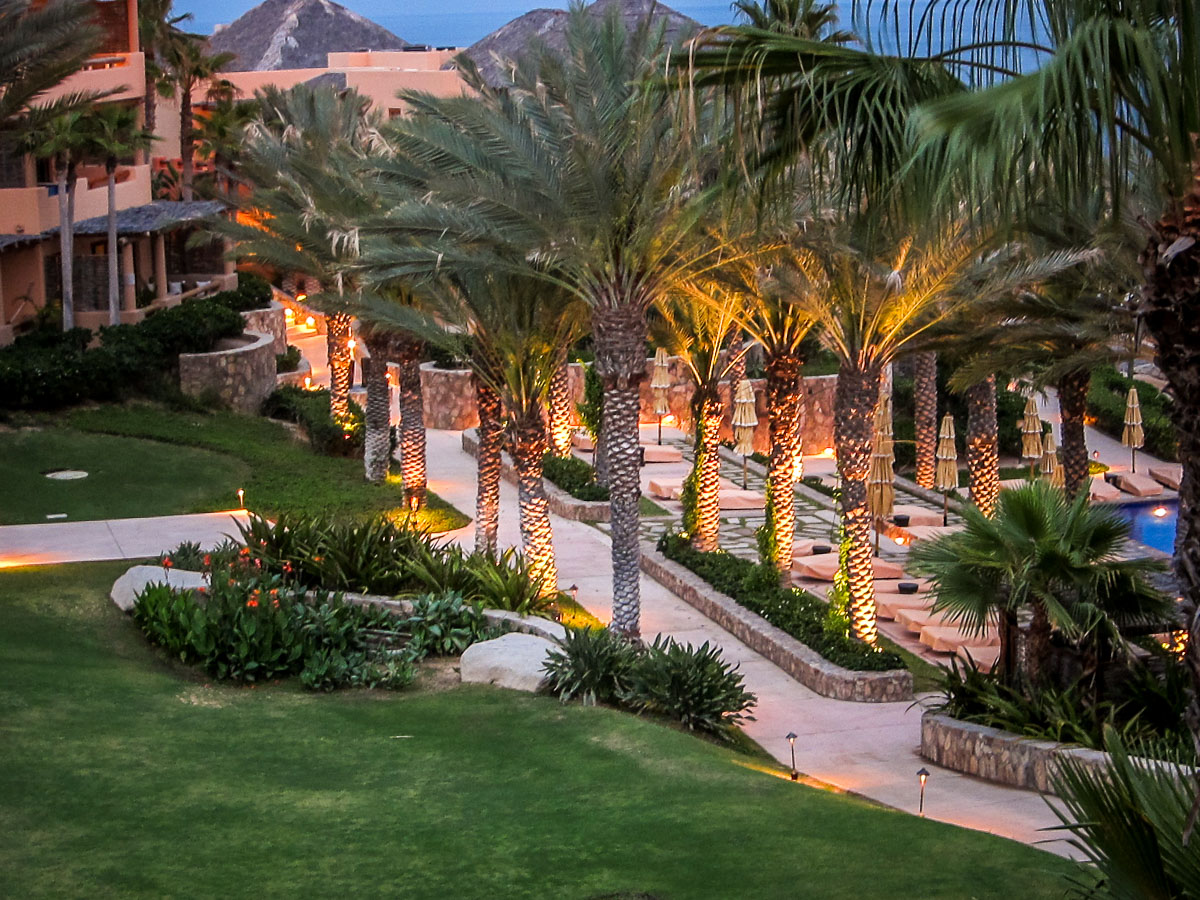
column 1157, row 531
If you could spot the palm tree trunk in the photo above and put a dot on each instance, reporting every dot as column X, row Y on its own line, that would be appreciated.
column 66, row 249
column 377, row 442
column 1038, row 647
column 408, row 351
column 737, row 369
column 489, row 462
column 619, row 331
column 337, row 350
column 560, row 408
column 150, row 98
column 983, row 445
column 707, row 536
column 1006, row 665
column 186, row 142
column 925, row 416
column 114, row 286
column 784, row 406
column 854, row 404
column 537, row 535
column 1072, row 404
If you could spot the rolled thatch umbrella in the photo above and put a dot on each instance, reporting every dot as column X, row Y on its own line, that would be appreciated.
column 1031, row 435
column 946, row 474
column 881, row 490
column 1132, row 436
column 1051, row 470
column 660, row 381
column 744, row 422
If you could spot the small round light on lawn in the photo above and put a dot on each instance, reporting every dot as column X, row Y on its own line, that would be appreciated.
column 923, row 775
column 791, row 739
column 1159, row 511
column 241, row 498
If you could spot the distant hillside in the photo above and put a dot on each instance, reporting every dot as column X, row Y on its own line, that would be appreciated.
column 548, row 26
column 298, row 34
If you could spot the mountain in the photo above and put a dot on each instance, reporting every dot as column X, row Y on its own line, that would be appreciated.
column 549, row 27
column 298, row 34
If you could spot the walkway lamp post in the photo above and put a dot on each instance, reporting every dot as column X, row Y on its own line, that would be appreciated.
column 791, row 739
column 923, row 775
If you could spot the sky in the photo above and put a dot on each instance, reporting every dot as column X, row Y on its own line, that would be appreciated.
column 436, row 22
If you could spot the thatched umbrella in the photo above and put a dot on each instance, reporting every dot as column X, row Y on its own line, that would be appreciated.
column 1051, row 470
column 659, row 382
column 1132, row 436
column 881, row 490
column 1031, row 436
column 946, row 474
column 744, row 422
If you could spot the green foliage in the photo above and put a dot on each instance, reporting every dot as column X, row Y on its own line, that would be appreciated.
column 252, row 292
column 44, row 370
column 1106, row 401
column 288, row 361
column 591, row 408
column 837, row 616
column 310, row 410
column 691, row 685
column 444, row 625
column 764, row 534
column 574, row 476
column 800, row 614
column 815, row 482
column 689, row 495
column 593, row 665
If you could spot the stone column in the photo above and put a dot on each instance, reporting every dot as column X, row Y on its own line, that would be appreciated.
column 129, row 285
column 160, row 266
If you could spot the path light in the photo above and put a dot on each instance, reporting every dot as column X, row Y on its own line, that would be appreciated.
column 310, row 322
column 1159, row 511
column 923, row 774
column 791, row 739
column 573, row 590
column 241, row 498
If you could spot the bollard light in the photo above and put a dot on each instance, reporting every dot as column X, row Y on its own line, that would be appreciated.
column 573, row 590
column 241, row 498
column 791, row 739
column 923, row 775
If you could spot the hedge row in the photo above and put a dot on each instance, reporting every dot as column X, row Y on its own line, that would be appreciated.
column 574, row 476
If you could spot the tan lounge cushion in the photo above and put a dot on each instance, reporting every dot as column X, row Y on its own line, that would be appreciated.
column 1139, row 485
column 662, row 453
column 825, row 566
column 1168, row 474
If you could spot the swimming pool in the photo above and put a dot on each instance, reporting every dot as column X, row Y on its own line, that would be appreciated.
column 1152, row 523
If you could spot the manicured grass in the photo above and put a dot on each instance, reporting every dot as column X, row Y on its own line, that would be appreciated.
column 125, row 775
column 127, row 477
column 284, row 475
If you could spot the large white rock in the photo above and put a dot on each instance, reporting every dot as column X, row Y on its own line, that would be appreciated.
column 527, row 624
column 126, row 588
column 511, row 661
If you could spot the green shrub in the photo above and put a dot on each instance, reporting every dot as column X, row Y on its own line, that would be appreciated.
column 756, row 587
column 574, row 476
column 1106, row 403
column 444, row 625
column 252, row 292
column 691, row 685
column 310, row 410
column 288, row 361
column 593, row 665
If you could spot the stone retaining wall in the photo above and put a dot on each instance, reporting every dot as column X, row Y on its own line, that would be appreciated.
column 239, row 373
column 269, row 321
column 535, row 625
column 560, row 502
column 996, row 755
column 294, row 379
column 800, row 661
column 448, row 396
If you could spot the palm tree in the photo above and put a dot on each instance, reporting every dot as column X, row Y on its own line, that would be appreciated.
column 489, row 462
column 1057, row 559
column 158, row 28
column 559, row 406
column 983, row 444
column 113, row 132
column 220, row 132
column 41, row 45
column 925, row 415
column 377, row 419
column 572, row 163
column 188, row 67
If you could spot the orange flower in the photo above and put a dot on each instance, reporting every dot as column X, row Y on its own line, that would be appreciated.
column 252, row 603
column 167, row 563
column 245, row 551
column 207, row 560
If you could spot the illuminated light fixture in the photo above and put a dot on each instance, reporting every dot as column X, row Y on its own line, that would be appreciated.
column 308, row 382
column 300, row 298
column 1095, row 454
column 241, row 498
column 1158, row 512
column 413, row 502
column 289, row 314
column 791, row 739
column 669, row 420
column 573, row 590
column 827, row 453
column 351, row 344
column 923, row 775
column 310, row 322
column 900, row 539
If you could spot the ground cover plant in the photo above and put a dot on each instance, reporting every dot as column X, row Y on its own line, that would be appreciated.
column 169, row 480
column 574, row 476
column 800, row 614
column 127, row 774
column 310, row 410
column 283, row 475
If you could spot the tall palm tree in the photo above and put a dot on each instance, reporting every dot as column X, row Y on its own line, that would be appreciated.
column 220, row 132
column 559, row 405
column 1040, row 553
column 188, row 67
column 40, row 46
column 113, row 132
column 377, row 418
column 925, row 415
column 571, row 163
column 983, row 444
column 158, row 28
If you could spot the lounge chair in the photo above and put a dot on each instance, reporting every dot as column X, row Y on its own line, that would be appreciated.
column 661, row 453
column 581, row 440
column 917, row 515
column 1138, row 485
column 949, row 638
column 984, row 658
column 888, row 606
column 916, row 619
column 1103, row 492
column 825, row 566
column 1168, row 475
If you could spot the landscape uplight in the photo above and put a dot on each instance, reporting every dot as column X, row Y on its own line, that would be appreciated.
column 923, row 775
column 791, row 739
column 241, row 498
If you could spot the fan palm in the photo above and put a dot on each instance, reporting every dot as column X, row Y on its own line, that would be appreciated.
column 113, row 132
column 573, row 163
column 1040, row 553
column 187, row 68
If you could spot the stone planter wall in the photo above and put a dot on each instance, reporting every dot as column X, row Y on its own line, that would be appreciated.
column 269, row 321
column 999, row 756
column 800, row 661
column 448, row 396
column 294, row 379
column 239, row 373
column 560, row 502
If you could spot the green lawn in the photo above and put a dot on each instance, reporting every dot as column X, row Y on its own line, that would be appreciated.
column 124, row 775
column 281, row 473
column 126, row 477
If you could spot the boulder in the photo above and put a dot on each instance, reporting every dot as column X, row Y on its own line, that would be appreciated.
column 126, row 588
column 511, row 661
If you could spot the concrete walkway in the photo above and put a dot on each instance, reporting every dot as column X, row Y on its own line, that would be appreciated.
column 63, row 542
